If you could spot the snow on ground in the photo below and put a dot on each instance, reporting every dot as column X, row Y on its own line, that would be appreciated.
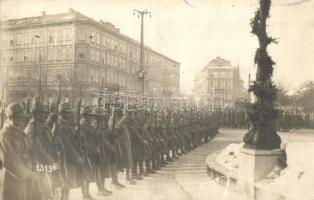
column 294, row 182
column 228, row 158
column 297, row 180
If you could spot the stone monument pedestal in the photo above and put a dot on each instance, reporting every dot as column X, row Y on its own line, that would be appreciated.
column 255, row 165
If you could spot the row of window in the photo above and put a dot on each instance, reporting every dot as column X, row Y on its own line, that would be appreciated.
column 58, row 53
column 220, row 84
column 133, row 52
column 220, row 74
column 34, row 37
column 113, row 77
column 111, row 59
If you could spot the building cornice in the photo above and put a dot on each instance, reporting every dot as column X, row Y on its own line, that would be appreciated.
column 72, row 17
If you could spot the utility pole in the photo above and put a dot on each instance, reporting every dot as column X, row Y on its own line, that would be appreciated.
column 141, row 73
column 248, row 91
column 40, row 78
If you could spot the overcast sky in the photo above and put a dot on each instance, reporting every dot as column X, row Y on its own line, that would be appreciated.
column 195, row 31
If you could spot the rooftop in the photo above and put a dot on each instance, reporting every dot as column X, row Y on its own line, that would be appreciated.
column 72, row 15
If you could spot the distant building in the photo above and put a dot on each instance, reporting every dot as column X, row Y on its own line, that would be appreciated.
column 219, row 84
column 81, row 52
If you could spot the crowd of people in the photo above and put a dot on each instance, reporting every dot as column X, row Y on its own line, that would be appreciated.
column 287, row 119
column 295, row 119
column 47, row 151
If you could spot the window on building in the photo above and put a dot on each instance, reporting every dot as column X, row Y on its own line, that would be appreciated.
column 59, row 52
column 81, row 55
column 34, row 54
column 92, row 54
column 111, row 60
column 18, row 55
column 19, row 39
column 116, row 44
column 68, row 34
column 42, row 54
column 115, row 61
column 97, row 56
column 25, row 55
column 107, row 59
column 82, row 35
column 97, row 38
column 11, row 42
column 51, row 53
column 51, row 35
column 42, row 37
column 93, row 36
column 67, row 52
column 104, row 58
column 59, row 35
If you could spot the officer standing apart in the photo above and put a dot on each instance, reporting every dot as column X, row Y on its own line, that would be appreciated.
column 16, row 148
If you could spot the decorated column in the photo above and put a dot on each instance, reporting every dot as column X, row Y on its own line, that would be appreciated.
column 261, row 152
column 262, row 113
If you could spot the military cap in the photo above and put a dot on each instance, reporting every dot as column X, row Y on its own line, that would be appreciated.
column 65, row 107
column 15, row 110
column 87, row 110
column 40, row 107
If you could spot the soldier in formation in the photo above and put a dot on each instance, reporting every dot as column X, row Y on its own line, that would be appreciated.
column 294, row 119
column 54, row 149
column 287, row 118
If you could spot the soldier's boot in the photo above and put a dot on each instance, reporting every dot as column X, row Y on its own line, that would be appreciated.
column 156, row 162
column 142, row 172
column 174, row 153
column 106, row 190
column 149, row 168
column 85, row 191
column 57, row 193
column 65, row 194
column 169, row 159
column 164, row 160
column 115, row 181
column 135, row 175
column 180, row 151
column 159, row 162
column 130, row 180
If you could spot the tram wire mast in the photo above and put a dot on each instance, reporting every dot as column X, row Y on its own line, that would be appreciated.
column 141, row 72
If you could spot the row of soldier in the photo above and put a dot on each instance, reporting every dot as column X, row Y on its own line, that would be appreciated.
column 295, row 119
column 53, row 152
column 287, row 119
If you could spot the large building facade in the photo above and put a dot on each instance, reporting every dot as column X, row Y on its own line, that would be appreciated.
column 218, row 84
column 82, row 53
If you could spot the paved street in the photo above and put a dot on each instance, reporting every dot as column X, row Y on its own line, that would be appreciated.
column 186, row 178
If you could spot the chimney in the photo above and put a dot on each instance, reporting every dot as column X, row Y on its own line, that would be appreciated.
column 43, row 13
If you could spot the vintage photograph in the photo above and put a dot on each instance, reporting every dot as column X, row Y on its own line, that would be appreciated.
column 156, row 100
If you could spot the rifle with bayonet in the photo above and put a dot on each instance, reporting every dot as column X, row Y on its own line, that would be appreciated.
column 35, row 141
column 79, row 136
column 2, row 114
column 2, row 105
column 59, row 142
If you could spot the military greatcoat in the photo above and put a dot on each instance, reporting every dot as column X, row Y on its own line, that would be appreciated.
column 15, row 147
